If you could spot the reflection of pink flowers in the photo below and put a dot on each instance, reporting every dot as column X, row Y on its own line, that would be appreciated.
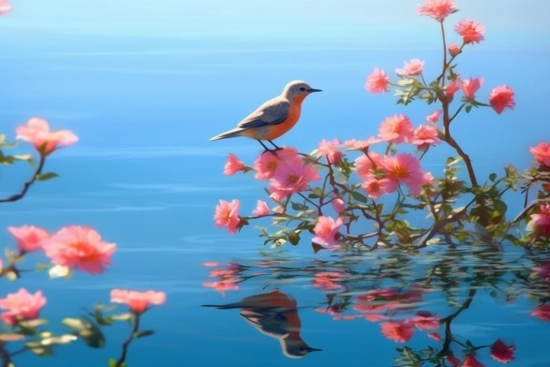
column 28, row 238
column 330, row 150
column 326, row 280
column 541, row 152
column 211, row 264
column 435, row 336
column 223, row 285
column 470, row 86
column 540, row 222
column 79, row 248
column 455, row 362
column 228, row 278
column 37, row 132
column 326, row 230
column 227, row 215
column 398, row 331
column 437, row 9
column 542, row 312
column 261, row 208
column 377, row 300
column 377, row 81
column 21, row 306
column 501, row 352
column 411, row 68
column 502, row 97
column 233, row 165
column 425, row 321
column 471, row 32
column 138, row 301
column 471, row 361
column 292, row 177
column 396, row 129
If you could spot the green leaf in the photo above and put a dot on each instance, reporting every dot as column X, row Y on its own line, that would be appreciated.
column 46, row 176
column 112, row 362
column 298, row 207
column 143, row 333
column 468, row 108
column 293, row 237
column 86, row 329
column 359, row 197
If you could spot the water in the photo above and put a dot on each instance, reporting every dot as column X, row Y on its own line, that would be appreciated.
column 145, row 176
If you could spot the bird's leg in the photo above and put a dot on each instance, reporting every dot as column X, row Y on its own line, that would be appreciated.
column 267, row 149
column 276, row 147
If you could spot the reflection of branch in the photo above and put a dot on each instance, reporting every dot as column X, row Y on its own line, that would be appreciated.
column 27, row 184
column 449, row 319
column 4, row 355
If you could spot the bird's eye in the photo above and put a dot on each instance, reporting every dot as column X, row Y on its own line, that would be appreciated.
column 302, row 89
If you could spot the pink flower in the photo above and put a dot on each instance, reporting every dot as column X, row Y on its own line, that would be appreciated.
column 396, row 129
column 4, row 6
column 398, row 331
column 502, row 97
column 292, row 177
column 453, row 360
column 267, row 163
column 471, row 32
column 378, row 81
column 21, row 306
column 542, row 312
column 425, row 321
column 28, row 238
column 338, row 205
column 437, row 9
column 424, row 136
column 452, row 88
column 261, row 209
column 454, row 49
column 233, row 165
column 470, row 86
column 227, row 215
column 326, row 230
column 365, row 164
column 37, row 132
column 411, row 68
column 471, row 361
column 434, row 117
column 79, row 248
column 375, row 187
column 404, row 168
column 435, row 336
column 329, row 149
column 540, row 223
column 541, row 152
column 501, row 352
column 362, row 145
column 138, row 301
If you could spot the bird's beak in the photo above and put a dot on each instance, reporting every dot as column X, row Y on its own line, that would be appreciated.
column 311, row 90
column 310, row 349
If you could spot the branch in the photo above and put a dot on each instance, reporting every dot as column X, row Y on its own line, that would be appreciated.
column 27, row 184
column 126, row 344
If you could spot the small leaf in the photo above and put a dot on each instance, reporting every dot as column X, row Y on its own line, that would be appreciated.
column 112, row 362
column 359, row 197
column 123, row 317
column 143, row 333
column 46, row 176
column 468, row 108
column 293, row 237
column 493, row 177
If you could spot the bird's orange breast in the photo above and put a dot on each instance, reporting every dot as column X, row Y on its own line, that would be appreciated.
column 276, row 131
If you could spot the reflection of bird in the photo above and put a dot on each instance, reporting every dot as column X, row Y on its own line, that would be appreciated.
column 276, row 315
column 273, row 118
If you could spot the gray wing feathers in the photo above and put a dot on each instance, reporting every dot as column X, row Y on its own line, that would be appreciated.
column 272, row 112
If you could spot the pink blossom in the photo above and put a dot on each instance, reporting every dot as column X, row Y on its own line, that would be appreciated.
column 411, row 68
column 330, row 150
column 4, row 6
column 338, row 205
column 437, row 9
column 540, row 222
column 471, row 361
column 398, row 331
column 261, row 209
column 363, row 145
column 233, row 165
column 138, row 301
column 365, row 164
column 376, row 187
column 404, row 168
column 377, row 81
column 470, row 86
column 434, row 117
column 454, row 49
column 21, row 306
column 452, row 88
column 292, row 177
column 37, row 132
column 541, row 152
column 326, row 230
column 28, row 238
column 424, row 136
column 471, row 32
column 542, row 312
column 267, row 163
column 434, row 336
column 502, row 97
column 80, row 248
column 396, row 129
column 227, row 215
column 501, row 352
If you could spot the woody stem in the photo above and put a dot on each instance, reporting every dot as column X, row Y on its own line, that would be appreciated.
column 126, row 344
column 27, row 184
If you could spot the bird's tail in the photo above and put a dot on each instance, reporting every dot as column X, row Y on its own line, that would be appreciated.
column 224, row 307
column 228, row 134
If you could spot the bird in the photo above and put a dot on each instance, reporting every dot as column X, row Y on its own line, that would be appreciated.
column 273, row 118
column 274, row 314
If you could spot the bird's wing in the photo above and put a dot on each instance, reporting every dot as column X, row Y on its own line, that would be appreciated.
column 272, row 112
column 269, row 321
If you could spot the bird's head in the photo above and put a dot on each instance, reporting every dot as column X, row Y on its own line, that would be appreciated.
column 298, row 89
column 297, row 348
